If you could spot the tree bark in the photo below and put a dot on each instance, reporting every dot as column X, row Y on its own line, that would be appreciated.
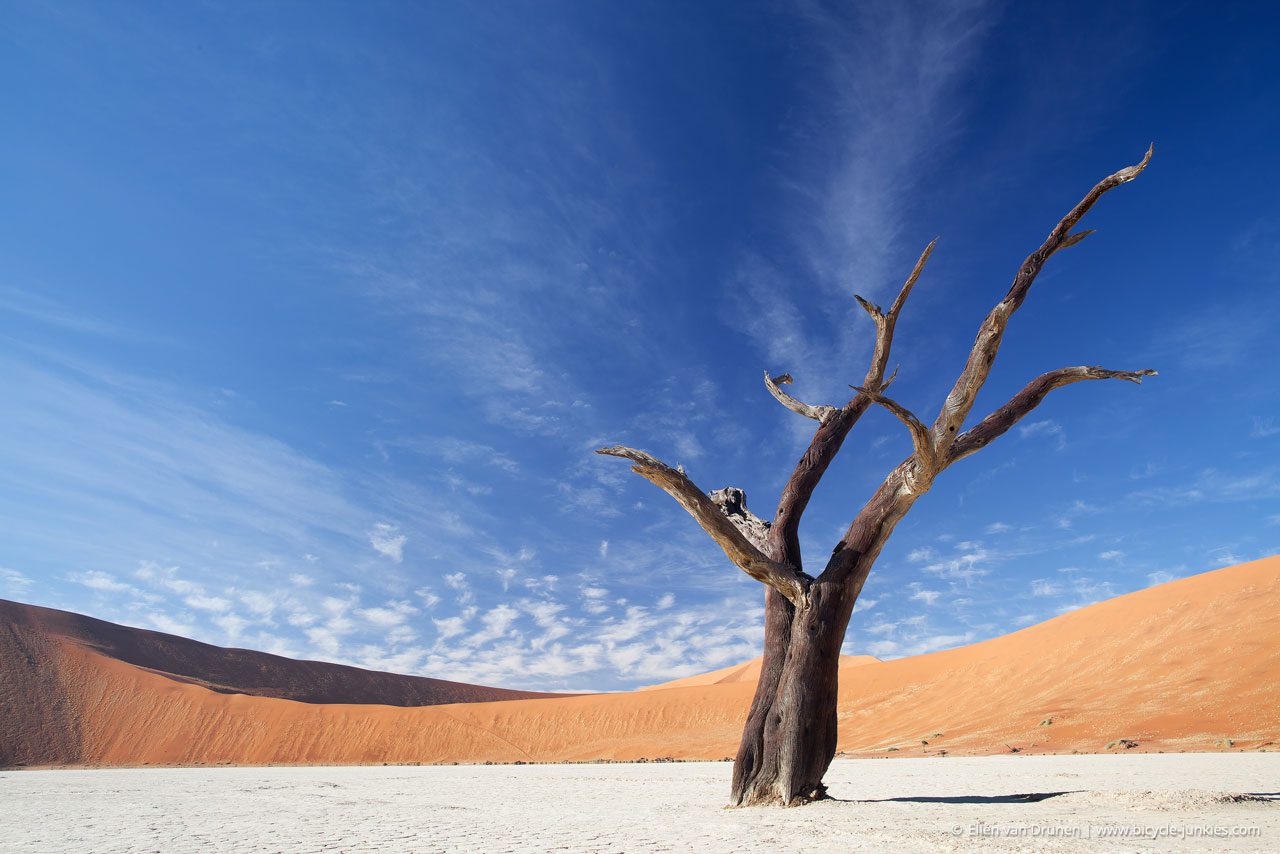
column 753, row 751
column 790, row 736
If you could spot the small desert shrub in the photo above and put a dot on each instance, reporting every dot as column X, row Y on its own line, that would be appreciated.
column 1126, row 743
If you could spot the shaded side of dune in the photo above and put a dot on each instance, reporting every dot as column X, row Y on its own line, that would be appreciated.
column 39, row 718
column 1190, row 665
column 244, row 671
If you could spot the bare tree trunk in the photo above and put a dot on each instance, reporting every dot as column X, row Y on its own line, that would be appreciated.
column 753, row 751
column 790, row 737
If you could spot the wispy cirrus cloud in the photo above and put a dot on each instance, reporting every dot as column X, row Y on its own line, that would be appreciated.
column 881, row 110
column 1264, row 428
column 1214, row 486
column 35, row 306
column 1045, row 428
column 14, row 581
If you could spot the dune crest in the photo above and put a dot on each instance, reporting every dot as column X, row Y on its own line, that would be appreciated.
column 1188, row 665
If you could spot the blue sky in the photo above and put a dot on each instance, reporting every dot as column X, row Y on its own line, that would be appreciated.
column 311, row 314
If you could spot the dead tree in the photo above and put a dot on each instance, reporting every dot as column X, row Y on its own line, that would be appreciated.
column 790, row 735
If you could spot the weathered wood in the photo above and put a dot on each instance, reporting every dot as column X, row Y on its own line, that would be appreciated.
column 817, row 413
column 785, row 579
column 830, row 436
column 790, row 735
column 999, row 422
column 797, row 734
column 921, row 437
column 983, row 354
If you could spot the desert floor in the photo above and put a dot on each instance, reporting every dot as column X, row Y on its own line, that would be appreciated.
column 1158, row 801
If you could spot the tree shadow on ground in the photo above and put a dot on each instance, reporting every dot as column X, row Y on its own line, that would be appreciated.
column 1024, row 798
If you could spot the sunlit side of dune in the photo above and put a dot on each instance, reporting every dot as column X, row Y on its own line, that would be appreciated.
column 1189, row 665
column 748, row 671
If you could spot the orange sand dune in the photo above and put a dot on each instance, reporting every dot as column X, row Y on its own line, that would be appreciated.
column 44, row 652
column 746, row 672
column 1183, row 666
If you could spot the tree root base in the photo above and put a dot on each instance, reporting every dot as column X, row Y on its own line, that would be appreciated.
column 773, row 800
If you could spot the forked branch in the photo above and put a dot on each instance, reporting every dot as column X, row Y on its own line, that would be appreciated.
column 999, row 422
column 786, row 580
column 976, row 370
column 828, row 438
column 1073, row 239
column 921, row 437
column 886, row 323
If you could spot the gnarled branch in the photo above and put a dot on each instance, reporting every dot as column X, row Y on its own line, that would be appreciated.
column 732, row 502
column 817, row 413
column 921, row 437
column 999, row 422
column 791, row 583
column 965, row 391
column 886, row 323
column 828, row 438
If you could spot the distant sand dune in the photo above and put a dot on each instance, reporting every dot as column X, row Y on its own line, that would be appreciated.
column 746, row 672
column 1182, row 666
